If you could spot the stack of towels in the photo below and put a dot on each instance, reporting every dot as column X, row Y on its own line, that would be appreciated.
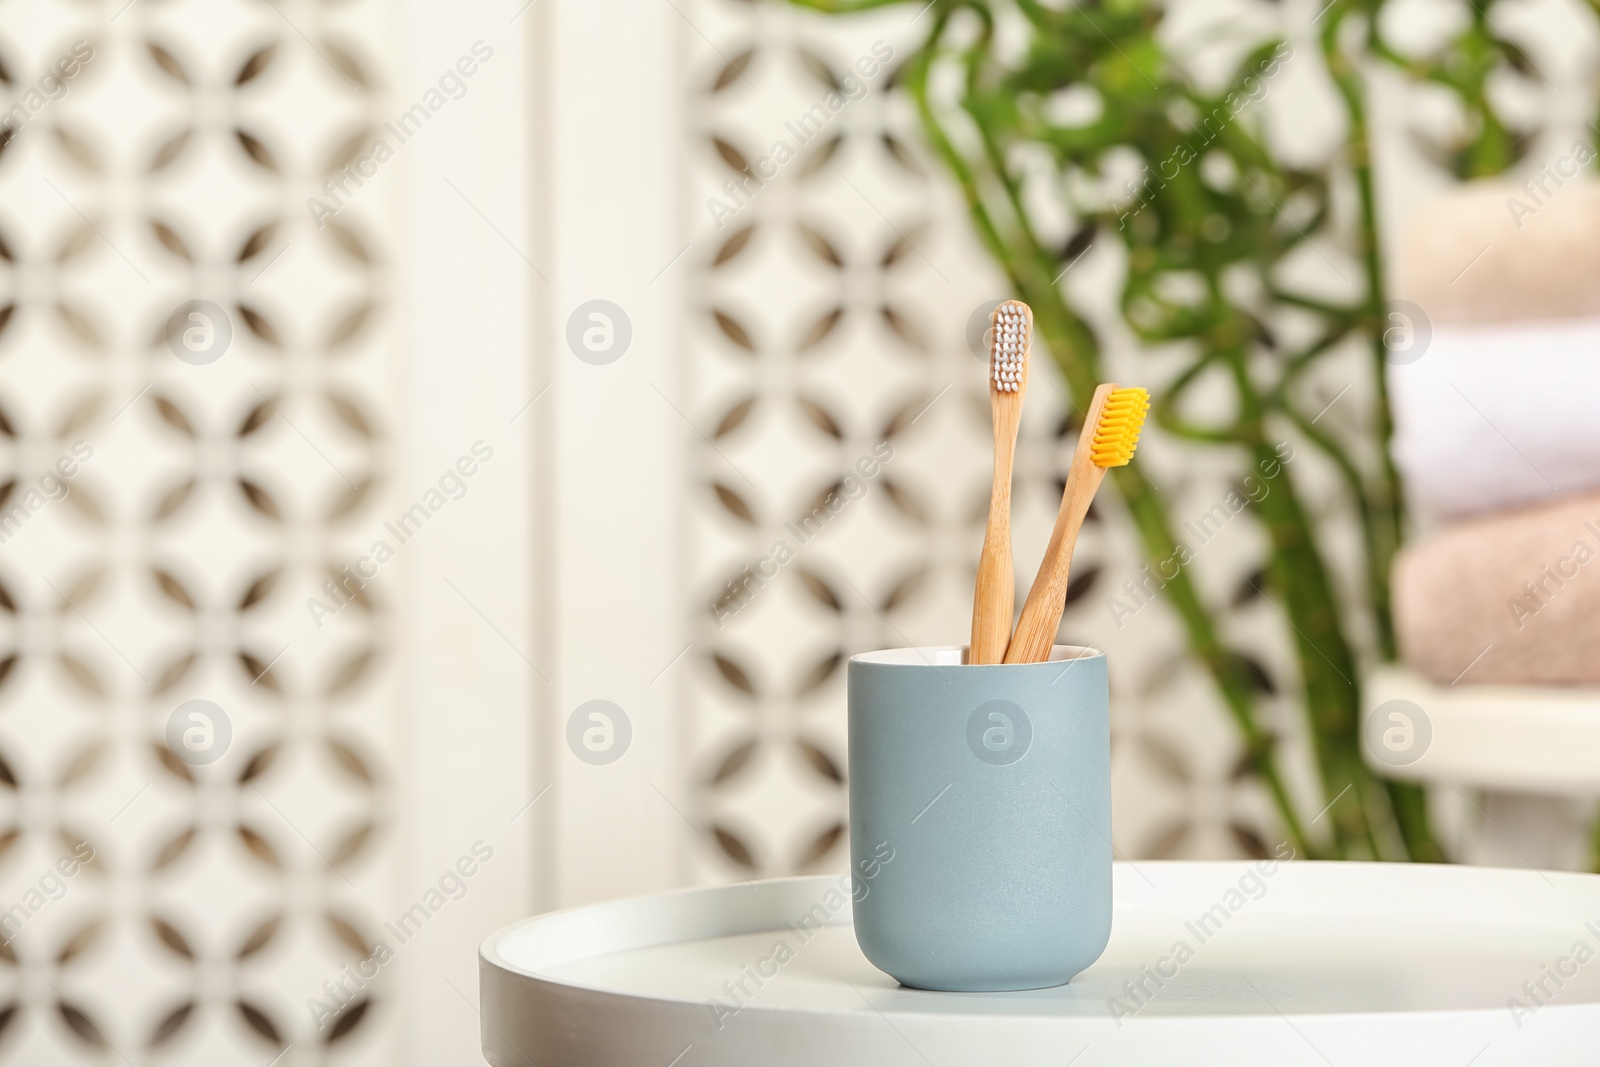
column 1495, row 386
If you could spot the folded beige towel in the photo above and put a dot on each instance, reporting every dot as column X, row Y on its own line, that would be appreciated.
column 1510, row 598
column 1497, row 251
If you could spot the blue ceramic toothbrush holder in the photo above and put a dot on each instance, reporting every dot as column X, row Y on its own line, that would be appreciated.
column 988, row 789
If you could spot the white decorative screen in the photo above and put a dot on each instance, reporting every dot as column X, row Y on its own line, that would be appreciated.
column 217, row 483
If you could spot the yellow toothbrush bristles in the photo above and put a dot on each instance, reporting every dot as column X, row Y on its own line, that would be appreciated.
column 1116, row 435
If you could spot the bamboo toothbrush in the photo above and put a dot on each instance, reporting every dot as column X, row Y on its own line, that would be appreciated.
column 1110, row 434
column 994, row 596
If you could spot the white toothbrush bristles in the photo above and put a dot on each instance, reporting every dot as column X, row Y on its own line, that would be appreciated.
column 1008, row 351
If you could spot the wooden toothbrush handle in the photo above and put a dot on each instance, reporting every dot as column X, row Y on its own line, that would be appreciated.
column 993, row 598
column 995, row 592
column 1041, row 614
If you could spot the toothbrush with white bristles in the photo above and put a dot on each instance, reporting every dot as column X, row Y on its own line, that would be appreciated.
column 994, row 595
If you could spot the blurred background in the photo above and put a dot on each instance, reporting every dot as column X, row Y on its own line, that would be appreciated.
column 452, row 450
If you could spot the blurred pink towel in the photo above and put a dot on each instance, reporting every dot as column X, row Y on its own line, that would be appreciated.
column 1510, row 598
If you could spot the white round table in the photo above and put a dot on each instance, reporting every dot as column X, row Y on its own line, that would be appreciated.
column 1233, row 964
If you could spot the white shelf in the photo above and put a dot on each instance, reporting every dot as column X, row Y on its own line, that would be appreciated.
column 1526, row 739
column 1315, row 964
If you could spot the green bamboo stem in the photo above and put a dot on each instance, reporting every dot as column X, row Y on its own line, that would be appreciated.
column 1594, row 845
column 1327, row 663
column 1225, row 666
column 1384, row 505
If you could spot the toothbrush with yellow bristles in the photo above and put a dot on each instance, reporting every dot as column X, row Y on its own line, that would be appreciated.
column 1110, row 434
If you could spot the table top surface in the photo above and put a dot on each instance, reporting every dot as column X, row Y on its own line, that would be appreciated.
column 1187, row 939
column 1214, row 963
